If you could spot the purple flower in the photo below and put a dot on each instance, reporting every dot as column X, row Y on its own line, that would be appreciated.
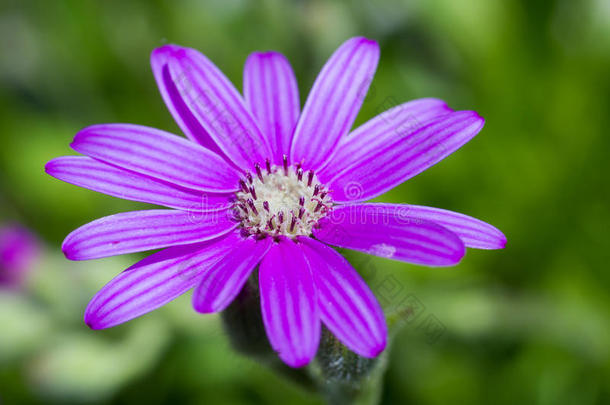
column 262, row 182
column 18, row 251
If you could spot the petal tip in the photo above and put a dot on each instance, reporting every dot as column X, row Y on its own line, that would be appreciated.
column 50, row 166
column 363, row 40
column 477, row 118
column 266, row 55
column 203, row 306
column 458, row 255
column 92, row 322
column 373, row 350
column 92, row 325
column 481, row 120
column 164, row 50
column 502, row 242
column 378, row 348
column 203, row 309
column 296, row 362
column 453, row 259
column 80, row 136
column 68, row 251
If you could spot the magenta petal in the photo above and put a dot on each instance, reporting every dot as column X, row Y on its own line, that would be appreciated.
column 473, row 232
column 386, row 128
column 334, row 101
column 176, row 105
column 154, row 282
column 157, row 154
column 374, row 231
column 289, row 303
column 218, row 107
column 139, row 231
column 95, row 175
column 347, row 305
column 272, row 95
column 221, row 283
column 404, row 158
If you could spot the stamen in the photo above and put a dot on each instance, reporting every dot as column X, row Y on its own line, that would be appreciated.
column 316, row 190
column 259, row 173
column 253, row 192
column 243, row 186
column 301, row 212
column 293, row 222
column 249, row 177
column 266, row 205
column 270, row 223
column 268, row 164
column 302, row 201
column 309, row 178
column 252, row 206
column 281, row 217
column 318, row 206
column 285, row 159
column 300, row 174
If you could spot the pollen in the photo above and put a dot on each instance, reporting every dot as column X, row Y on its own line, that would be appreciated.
column 281, row 200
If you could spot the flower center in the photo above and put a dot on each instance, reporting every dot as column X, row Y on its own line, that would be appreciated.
column 284, row 200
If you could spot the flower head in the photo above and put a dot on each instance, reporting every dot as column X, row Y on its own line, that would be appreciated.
column 260, row 182
column 18, row 252
column 283, row 201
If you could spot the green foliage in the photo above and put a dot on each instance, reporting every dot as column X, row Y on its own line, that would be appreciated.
column 525, row 325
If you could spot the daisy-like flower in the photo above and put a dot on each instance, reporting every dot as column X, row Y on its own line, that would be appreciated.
column 19, row 251
column 260, row 182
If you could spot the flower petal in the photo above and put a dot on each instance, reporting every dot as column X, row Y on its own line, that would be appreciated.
column 347, row 306
column 154, row 282
column 374, row 231
column 157, row 154
column 139, row 231
column 387, row 127
column 272, row 95
column 404, row 158
column 473, row 232
column 89, row 173
column 334, row 101
column 176, row 105
column 289, row 304
column 221, row 283
column 218, row 106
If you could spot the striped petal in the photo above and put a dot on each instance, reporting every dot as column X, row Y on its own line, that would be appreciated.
column 157, row 154
column 221, row 283
column 139, row 231
column 334, row 101
column 374, row 231
column 388, row 166
column 473, row 232
column 98, row 176
column 347, row 306
column 176, row 105
column 154, row 282
column 386, row 128
column 289, row 304
column 218, row 107
column 272, row 95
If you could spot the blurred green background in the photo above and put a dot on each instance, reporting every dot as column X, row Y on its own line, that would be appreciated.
column 529, row 324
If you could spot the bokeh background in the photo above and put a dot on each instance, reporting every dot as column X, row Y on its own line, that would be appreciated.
column 529, row 324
